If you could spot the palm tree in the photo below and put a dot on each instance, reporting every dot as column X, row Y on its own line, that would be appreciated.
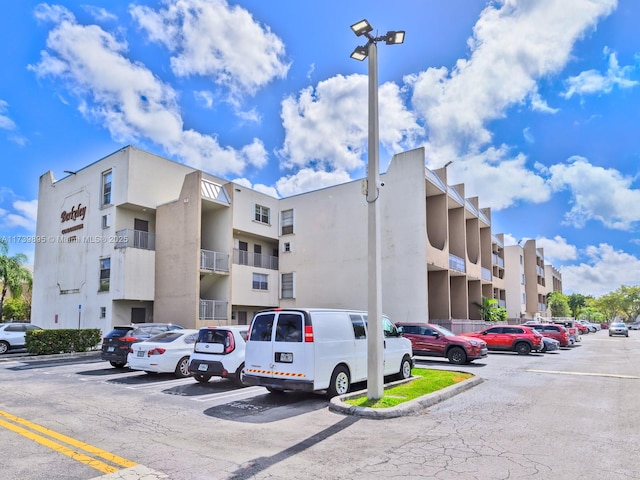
column 13, row 276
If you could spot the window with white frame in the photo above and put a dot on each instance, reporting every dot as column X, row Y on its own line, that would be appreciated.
column 103, row 312
column 286, row 246
column 105, row 274
column 106, row 221
column 260, row 281
column 288, row 285
column 106, row 187
column 262, row 214
column 286, row 222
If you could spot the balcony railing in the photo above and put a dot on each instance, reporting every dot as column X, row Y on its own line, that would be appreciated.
column 216, row 261
column 135, row 239
column 457, row 263
column 486, row 274
column 213, row 310
column 498, row 260
column 242, row 257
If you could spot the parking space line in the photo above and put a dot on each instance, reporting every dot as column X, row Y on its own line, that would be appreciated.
column 248, row 391
column 164, row 384
column 103, row 467
column 612, row 375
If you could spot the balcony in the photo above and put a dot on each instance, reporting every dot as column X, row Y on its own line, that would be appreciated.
column 456, row 263
column 213, row 310
column 486, row 274
column 135, row 239
column 498, row 260
column 242, row 257
column 214, row 261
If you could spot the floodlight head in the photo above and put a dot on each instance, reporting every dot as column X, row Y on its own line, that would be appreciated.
column 360, row 53
column 361, row 28
column 394, row 37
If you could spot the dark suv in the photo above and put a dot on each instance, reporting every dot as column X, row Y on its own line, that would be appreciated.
column 115, row 345
column 520, row 339
column 436, row 341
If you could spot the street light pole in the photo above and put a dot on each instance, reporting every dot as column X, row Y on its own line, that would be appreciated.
column 375, row 350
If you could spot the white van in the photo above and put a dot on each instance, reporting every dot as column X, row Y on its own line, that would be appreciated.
column 313, row 349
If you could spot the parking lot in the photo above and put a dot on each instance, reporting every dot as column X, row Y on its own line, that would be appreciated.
column 559, row 415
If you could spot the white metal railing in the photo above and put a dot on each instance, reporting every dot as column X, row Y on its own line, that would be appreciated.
column 216, row 261
column 135, row 239
column 457, row 263
column 242, row 257
column 213, row 309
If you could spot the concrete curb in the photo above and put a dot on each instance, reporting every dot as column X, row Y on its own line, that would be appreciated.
column 413, row 407
column 12, row 357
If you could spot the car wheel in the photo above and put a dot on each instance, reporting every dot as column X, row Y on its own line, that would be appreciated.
column 457, row 356
column 405, row 368
column 201, row 378
column 610, row 335
column 182, row 369
column 117, row 364
column 544, row 348
column 340, row 382
column 239, row 377
column 4, row 347
column 523, row 348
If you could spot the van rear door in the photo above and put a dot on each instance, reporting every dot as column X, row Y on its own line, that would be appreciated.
column 259, row 349
column 292, row 347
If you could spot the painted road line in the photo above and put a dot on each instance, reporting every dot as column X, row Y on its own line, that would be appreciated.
column 612, row 375
column 47, row 442
column 248, row 392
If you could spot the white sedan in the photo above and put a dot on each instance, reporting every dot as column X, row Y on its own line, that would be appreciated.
column 167, row 352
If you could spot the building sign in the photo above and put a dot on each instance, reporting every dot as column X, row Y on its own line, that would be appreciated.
column 74, row 214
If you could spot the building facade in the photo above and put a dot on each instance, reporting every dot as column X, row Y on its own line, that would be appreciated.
column 135, row 237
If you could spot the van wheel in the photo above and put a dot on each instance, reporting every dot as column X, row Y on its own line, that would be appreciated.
column 117, row 364
column 405, row 369
column 340, row 382
column 201, row 378
column 239, row 376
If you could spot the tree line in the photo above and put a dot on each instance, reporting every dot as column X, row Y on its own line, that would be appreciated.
column 623, row 303
column 16, row 282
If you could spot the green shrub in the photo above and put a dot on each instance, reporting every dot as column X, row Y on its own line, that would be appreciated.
column 64, row 340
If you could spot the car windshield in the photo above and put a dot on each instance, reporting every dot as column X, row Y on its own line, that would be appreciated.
column 617, row 325
column 444, row 332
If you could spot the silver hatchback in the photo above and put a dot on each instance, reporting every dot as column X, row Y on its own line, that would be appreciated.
column 618, row 328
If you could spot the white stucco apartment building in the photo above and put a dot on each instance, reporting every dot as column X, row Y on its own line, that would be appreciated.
column 135, row 237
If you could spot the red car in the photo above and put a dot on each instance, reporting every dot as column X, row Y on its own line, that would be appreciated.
column 516, row 338
column 557, row 332
column 436, row 341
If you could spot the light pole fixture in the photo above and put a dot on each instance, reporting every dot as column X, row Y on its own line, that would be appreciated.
column 375, row 358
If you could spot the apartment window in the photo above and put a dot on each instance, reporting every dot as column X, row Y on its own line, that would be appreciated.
column 260, row 281
column 106, row 221
column 287, row 285
column 262, row 214
column 286, row 247
column 106, row 187
column 105, row 274
column 103, row 312
column 286, row 222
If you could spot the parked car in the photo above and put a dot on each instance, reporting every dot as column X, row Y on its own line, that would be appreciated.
column 219, row 352
column 549, row 344
column 618, row 328
column 12, row 335
column 116, row 344
column 581, row 327
column 634, row 326
column 590, row 326
column 167, row 352
column 518, row 338
column 435, row 341
column 574, row 332
column 551, row 330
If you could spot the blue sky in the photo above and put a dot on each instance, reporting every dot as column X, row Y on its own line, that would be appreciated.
column 536, row 103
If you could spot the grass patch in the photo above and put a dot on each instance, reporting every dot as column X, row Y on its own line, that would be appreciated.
column 427, row 381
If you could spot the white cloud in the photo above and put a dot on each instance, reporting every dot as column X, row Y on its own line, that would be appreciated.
column 483, row 172
column 212, row 39
column 259, row 187
column 100, row 14
column 598, row 193
column 127, row 98
column 22, row 215
column 308, row 179
column 556, row 249
column 326, row 128
column 592, row 82
column 514, row 44
column 605, row 270
column 5, row 122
